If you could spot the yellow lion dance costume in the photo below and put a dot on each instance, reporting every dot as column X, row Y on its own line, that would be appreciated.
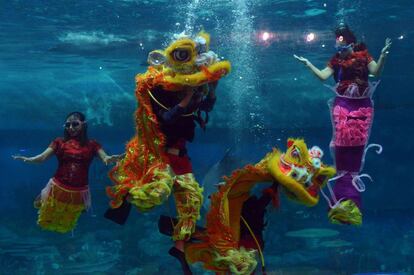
column 300, row 174
column 144, row 175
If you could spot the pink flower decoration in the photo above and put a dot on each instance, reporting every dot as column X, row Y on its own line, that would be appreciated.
column 352, row 128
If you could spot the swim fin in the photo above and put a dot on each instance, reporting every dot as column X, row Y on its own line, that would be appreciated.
column 180, row 256
column 119, row 215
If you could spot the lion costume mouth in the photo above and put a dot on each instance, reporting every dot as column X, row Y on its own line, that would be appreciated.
column 299, row 175
column 302, row 175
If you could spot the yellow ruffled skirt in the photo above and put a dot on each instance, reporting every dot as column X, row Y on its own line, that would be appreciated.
column 60, row 206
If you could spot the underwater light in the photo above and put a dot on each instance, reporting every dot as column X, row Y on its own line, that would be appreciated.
column 401, row 37
column 310, row 37
column 265, row 37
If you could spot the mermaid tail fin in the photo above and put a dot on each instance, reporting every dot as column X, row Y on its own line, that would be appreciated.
column 345, row 212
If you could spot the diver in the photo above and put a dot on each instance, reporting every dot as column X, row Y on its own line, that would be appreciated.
column 177, row 118
column 352, row 114
column 253, row 217
column 67, row 195
column 176, row 92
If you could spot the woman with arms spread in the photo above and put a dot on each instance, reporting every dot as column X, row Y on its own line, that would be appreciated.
column 352, row 113
column 67, row 194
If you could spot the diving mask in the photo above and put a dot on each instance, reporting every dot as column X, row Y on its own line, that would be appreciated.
column 342, row 49
column 74, row 124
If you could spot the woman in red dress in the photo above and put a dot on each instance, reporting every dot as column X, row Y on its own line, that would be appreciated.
column 67, row 195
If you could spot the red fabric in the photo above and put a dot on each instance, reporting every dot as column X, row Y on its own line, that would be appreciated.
column 70, row 188
column 180, row 165
column 73, row 161
column 273, row 192
column 354, row 69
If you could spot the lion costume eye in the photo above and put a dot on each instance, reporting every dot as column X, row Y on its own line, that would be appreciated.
column 156, row 58
column 181, row 55
column 295, row 153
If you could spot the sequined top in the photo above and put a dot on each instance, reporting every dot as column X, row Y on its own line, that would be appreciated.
column 73, row 161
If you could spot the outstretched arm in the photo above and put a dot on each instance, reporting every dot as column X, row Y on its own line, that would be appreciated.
column 36, row 159
column 376, row 68
column 321, row 74
column 109, row 159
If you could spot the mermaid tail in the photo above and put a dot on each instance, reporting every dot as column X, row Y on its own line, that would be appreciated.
column 352, row 118
column 61, row 206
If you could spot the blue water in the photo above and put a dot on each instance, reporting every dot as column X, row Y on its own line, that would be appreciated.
column 61, row 56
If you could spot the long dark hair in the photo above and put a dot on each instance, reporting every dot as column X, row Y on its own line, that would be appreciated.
column 343, row 30
column 83, row 136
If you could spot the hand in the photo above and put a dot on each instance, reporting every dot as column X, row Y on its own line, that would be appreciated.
column 213, row 85
column 189, row 92
column 22, row 158
column 302, row 59
column 113, row 158
column 212, row 89
column 387, row 47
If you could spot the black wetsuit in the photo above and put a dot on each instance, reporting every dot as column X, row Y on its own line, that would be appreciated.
column 253, row 211
column 178, row 123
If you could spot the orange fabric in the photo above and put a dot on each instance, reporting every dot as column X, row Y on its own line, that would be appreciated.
column 223, row 224
column 146, row 150
column 212, row 76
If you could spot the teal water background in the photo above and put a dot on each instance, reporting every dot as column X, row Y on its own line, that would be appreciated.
column 61, row 56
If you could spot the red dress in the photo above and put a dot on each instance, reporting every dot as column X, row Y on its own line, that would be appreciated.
column 351, row 69
column 74, row 161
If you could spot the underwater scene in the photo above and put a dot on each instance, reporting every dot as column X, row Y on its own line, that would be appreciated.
column 206, row 137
